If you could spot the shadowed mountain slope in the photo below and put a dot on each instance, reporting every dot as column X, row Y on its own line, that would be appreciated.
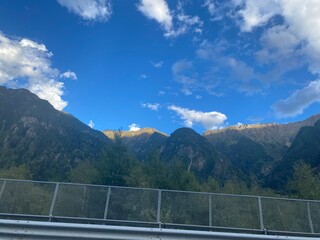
column 47, row 141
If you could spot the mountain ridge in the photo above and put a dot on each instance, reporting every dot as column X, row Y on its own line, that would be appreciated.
column 42, row 143
column 252, row 152
column 49, row 142
column 250, row 129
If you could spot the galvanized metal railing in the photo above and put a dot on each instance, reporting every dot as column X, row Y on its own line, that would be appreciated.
column 125, row 206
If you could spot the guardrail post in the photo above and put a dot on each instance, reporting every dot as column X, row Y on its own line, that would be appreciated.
column 107, row 204
column 309, row 217
column 159, row 208
column 53, row 201
column 210, row 210
column 260, row 214
column 2, row 187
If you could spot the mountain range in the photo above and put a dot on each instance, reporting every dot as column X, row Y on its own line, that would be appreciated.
column 53, row 145
column 258, row 152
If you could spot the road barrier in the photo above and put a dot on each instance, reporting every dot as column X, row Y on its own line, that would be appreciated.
column 157, row 209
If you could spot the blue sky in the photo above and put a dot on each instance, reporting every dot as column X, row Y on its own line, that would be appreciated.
column 129, row 64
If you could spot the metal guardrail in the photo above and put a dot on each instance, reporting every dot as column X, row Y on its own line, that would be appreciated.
column 141, row 207
column 13, row 229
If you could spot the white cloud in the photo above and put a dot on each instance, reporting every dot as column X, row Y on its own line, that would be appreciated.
column 28, row 43
column 257, row 13
column 90, row 10
column 183, row 73
column 219, row 71
column 186, row 23
column 209, row 120
column 153, row 107
column 134, row 127
column 300, row 19
column 210, row 5
column 174, row 23
column 143, row 76
column 157, row 64
column 280, row 45
column 91, row 124
column 26, row 64
column 161, row 93
column 280, row 38
column 218, row 10
column 298, row 101
column 303, row 19
column 69, row 74
column 240, row 69
column 157, row 10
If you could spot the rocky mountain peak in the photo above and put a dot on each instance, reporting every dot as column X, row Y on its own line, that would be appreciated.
column 129, row 134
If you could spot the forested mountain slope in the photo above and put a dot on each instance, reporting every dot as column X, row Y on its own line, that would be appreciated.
column 46, row 141
column 41, row 143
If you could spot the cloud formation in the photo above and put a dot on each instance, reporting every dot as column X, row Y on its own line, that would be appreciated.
column 134, row 127
column 209, row 120
column 287, row 45
column 209, row 4
column 26, row 64
column 90, row 10
column 157, row 64
column 69, row 74
column 256, row 13
column 300, row 18
column 183, row 73
column 159, row 11
column 219, row 72
column 91, row 124
column 161, row 93
column 143, row 76
column 186, row 23
column 298, row 101
column 153, row 107
column 174, row 23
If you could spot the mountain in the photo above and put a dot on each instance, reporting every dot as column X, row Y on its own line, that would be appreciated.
column 305, row 148
column 257, row 148
column 247, row 152
column 184, row 145
column 193, row 150
column 48, row 142
column 271, row 133
column 142, row 143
